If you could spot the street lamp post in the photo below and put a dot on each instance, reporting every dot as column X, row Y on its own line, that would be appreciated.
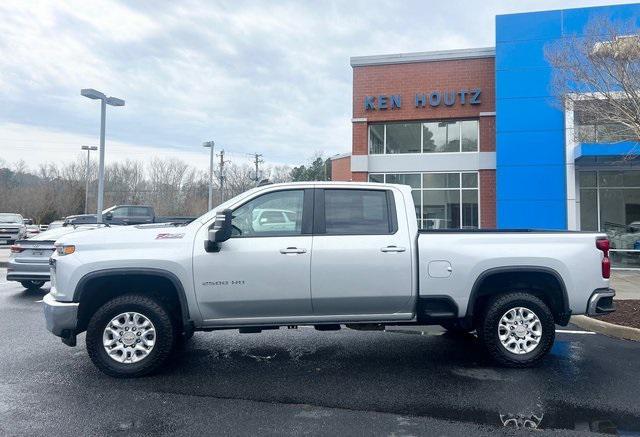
column 86, row 191
column 210, row 145
column 104, row 101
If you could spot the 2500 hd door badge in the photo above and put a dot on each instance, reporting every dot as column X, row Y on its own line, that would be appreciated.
column 218, row 283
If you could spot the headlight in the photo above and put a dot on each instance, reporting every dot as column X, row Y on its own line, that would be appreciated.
column 65, row 249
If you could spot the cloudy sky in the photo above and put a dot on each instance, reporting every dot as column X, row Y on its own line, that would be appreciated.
column 269, row 77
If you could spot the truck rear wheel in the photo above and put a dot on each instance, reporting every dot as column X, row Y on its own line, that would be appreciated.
column 130, row 336
column 517, row 329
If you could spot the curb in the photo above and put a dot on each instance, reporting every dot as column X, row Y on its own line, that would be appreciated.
column 606, row 328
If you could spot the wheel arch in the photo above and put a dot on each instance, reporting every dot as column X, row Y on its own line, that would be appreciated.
column 129, row 277
column 498, row 280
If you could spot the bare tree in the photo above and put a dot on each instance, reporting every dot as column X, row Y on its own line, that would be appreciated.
column 597, row 76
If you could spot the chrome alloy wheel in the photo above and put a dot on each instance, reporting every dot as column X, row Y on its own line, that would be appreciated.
column 520, row 330
column 129, row 337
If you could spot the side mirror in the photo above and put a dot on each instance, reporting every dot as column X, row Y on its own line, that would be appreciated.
column 221, row 231
column 109, row 216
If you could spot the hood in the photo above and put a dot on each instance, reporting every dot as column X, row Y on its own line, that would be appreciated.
column 127, row 235
column 55, row 233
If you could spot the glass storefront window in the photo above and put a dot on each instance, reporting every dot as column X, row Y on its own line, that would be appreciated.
column 469, row 135
column 441, row 209
column 376, row 177
column 403, row 138
column 610, row 203
column 588, row 209
column 376, row 139
column 469, row 209
column 428, row 137
column 411, row 179
column 469, row 180
column 442, row 200
column 441, row 180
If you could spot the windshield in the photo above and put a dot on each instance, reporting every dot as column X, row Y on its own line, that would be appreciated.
column 11, row 218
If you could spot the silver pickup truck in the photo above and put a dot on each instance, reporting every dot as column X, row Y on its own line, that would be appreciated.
column 339, row 254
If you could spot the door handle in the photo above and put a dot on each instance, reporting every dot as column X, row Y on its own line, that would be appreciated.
column 292, row 250
column 392, row 249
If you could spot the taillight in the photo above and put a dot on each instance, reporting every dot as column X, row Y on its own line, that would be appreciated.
column 16, row 248
column 603, row 245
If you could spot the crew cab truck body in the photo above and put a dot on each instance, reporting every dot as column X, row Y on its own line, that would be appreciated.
column 348, row 254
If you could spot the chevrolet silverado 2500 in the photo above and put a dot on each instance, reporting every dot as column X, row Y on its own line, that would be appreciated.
column 328, row 254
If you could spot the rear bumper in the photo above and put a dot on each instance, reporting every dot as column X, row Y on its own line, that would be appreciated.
column 601, row 302
column 61, row 317
column 17, row 271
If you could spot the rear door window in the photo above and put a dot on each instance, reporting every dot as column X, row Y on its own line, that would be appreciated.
column 357, row 212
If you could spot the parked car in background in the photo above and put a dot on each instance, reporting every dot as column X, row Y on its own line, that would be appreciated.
column 29, row 259
column 12, row 228
column 55, row 224
column 126, row 215
column 27, row 221
column 32, row 231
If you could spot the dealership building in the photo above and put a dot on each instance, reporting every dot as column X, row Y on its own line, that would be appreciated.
column 482, row 140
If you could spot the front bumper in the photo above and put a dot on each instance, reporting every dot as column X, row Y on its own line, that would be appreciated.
column 601, row 302
column 61, row 317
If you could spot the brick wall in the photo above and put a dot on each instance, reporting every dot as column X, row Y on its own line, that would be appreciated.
column 487, row 198
column 341, row 169
column 488, row 133
column 424, row 77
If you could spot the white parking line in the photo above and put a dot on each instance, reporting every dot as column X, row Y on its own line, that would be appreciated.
column 39, row 300
column 567, row 331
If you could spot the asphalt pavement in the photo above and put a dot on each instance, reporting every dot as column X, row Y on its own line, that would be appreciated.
column 415, row 381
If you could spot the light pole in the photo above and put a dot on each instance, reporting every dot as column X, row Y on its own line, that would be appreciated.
column 210, row 145
column 104, row 101
column 86, row 191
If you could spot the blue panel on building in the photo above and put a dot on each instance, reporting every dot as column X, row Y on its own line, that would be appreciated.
column 531, row 148
column 528, row 114
column 521, row 54
column 575, row 20
column 524, row 83
column 528, row 26
column 542, row 182
column 530, row 137
column 534, row 214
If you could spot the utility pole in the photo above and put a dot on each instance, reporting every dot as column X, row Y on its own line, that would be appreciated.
column 257, row 160
column 86, row 190
column 221, row 177
column 210, row 144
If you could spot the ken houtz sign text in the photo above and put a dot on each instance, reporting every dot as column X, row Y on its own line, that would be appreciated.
column 434, row 98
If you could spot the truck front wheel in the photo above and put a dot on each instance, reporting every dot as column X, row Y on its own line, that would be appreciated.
column 130, row 336
column 517, row 329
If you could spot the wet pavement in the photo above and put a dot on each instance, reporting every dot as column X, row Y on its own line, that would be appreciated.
column 304, row 382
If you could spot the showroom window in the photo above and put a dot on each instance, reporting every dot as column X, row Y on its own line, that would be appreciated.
column 442, row 200
column 592, row 125
column 610, row 203
column 427, row 137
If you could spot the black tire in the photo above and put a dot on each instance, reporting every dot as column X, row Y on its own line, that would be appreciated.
column 456, row 327
column 488, row 329
column 32, row 285
column 148, row 307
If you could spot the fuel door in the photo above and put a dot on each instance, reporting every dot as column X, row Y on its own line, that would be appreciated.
column 439, row 269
